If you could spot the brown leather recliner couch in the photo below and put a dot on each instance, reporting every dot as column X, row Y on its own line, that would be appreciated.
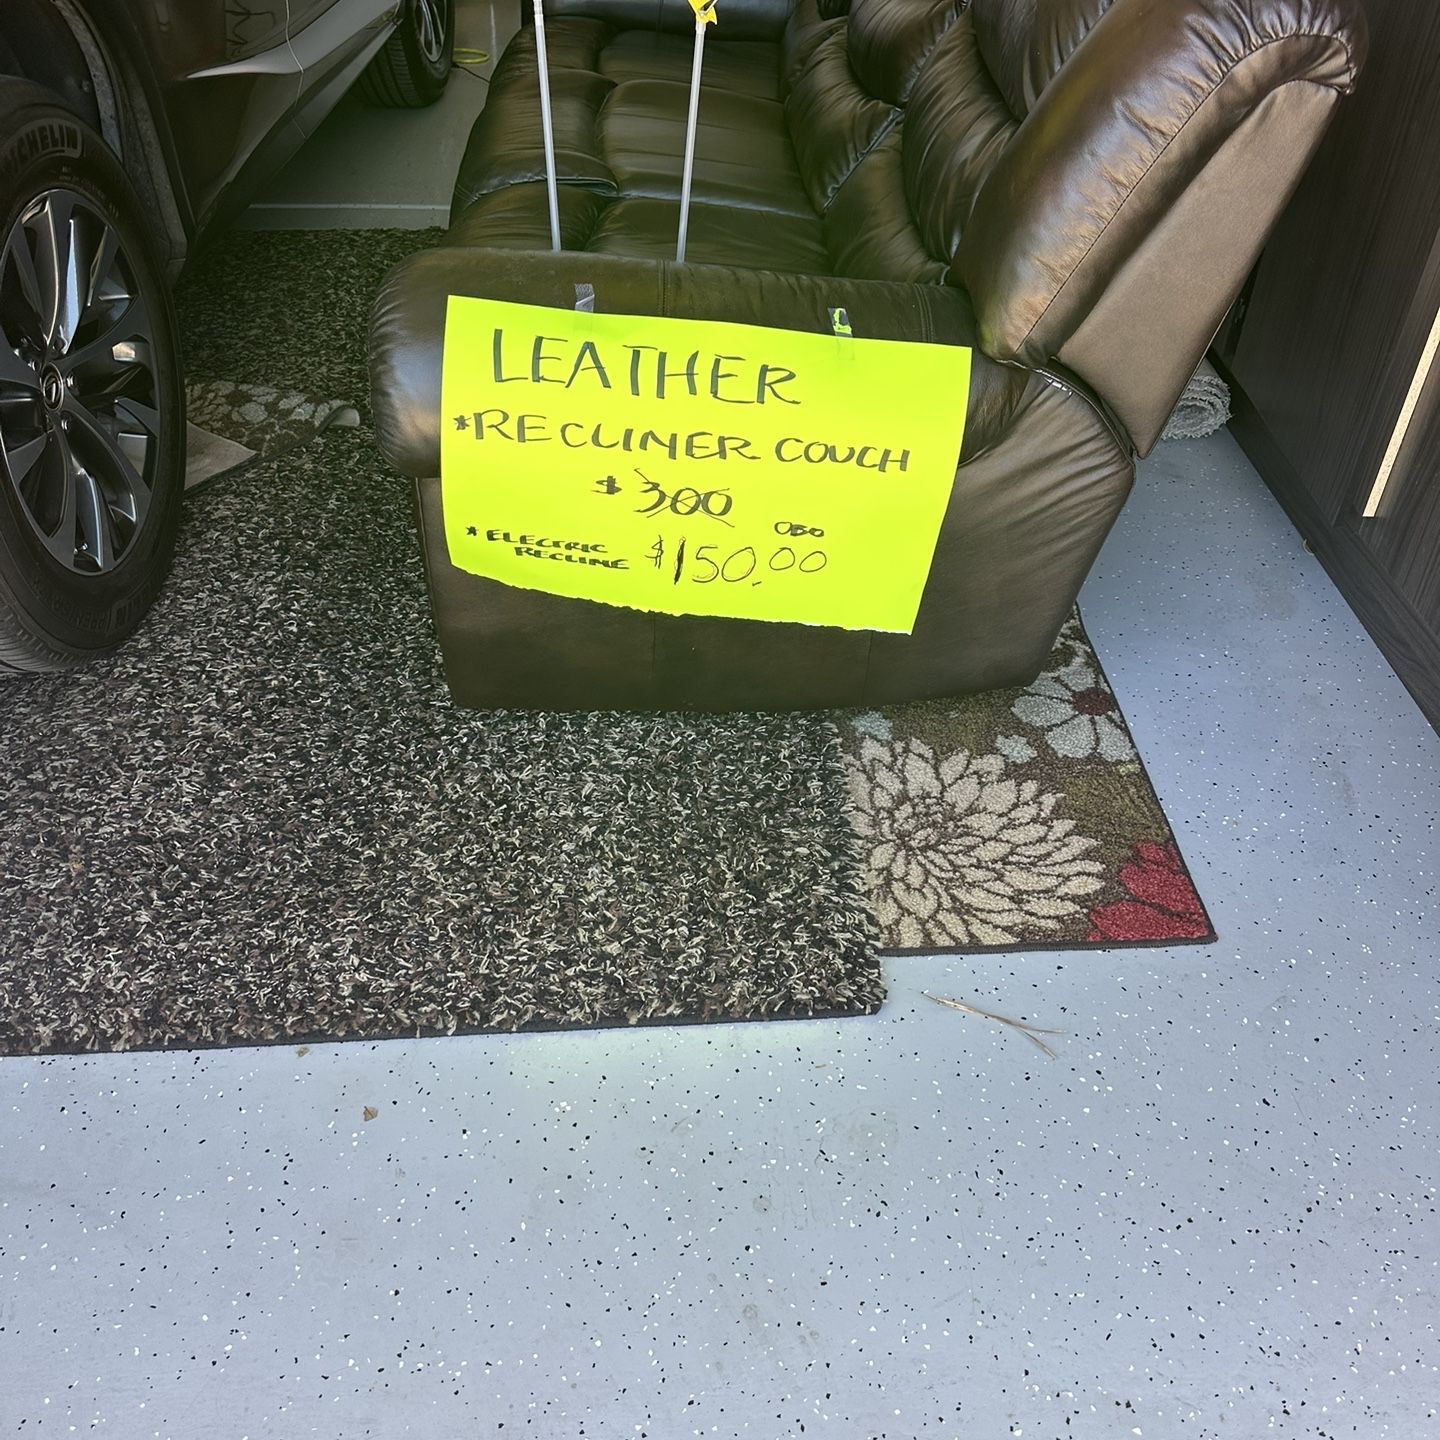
column 1075, row 188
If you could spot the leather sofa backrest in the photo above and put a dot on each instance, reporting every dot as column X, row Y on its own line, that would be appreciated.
column 957, row 125
column 808, row 25
column 742, row 19
column 890, row 40
column 1097, row 175
column 845, row 111
column 1025, row 42
column 1151, row 144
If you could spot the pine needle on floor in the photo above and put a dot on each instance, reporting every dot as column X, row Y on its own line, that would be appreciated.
column 1031, row 1032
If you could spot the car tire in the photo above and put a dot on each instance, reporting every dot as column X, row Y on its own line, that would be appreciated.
column 92, row 421
column 413, row 68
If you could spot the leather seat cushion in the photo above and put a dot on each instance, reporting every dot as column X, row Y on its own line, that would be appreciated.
column 830, row 148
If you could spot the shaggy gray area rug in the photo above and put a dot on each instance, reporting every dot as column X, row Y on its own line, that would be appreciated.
column 264, row 821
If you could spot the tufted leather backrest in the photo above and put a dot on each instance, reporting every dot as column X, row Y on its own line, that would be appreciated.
column 957, row 125
column 890, row 40
column 845, row 113
column 1025, row 42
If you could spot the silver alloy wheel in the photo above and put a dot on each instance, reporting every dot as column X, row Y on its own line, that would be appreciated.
column 79, row 417
column 430, row 28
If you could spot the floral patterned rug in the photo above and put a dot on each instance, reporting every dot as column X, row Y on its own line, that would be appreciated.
column 1018, row 819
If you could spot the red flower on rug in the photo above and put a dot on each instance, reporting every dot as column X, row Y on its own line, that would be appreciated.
column 1163, row 903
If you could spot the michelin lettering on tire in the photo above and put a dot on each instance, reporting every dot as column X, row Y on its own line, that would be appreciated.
column 48, row 137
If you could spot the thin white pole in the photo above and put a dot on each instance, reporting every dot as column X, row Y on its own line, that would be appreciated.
column 703, row 16
column 551, row 189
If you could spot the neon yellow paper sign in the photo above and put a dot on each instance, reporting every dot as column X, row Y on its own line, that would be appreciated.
column 697, row 468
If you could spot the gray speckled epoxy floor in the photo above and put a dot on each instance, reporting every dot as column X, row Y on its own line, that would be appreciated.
column 1213, row 1215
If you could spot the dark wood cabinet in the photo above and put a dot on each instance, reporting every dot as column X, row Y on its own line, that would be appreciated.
column 1332, row 349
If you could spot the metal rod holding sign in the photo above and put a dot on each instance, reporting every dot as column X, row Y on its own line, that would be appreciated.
column 704, row 15
column 551, row 190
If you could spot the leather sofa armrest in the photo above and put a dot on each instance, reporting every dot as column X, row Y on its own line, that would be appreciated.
column 408, row 325
column 737, row 19
column 1121, row 219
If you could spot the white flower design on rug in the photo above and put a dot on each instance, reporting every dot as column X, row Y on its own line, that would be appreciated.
column 960, row 853
column 1078, row 713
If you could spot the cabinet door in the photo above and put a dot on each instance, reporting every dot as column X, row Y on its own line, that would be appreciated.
column 1403, row 535
column 1335, row 321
